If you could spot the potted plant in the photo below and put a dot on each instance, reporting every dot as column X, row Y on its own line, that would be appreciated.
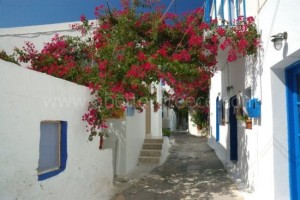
column 248, row 123
column 245, row 118
column 166, row 132
column 199, row 118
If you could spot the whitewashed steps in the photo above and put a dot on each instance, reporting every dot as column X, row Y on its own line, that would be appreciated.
column 151, row 151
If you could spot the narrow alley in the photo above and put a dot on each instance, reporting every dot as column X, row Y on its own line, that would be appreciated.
column 191, row 171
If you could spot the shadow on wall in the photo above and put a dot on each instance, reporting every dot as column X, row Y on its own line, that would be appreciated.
column 253, row 71
column 285, row 50
column 244, row 167
column 116, row 141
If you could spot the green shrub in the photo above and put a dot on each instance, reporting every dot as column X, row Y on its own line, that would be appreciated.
column 166, row 132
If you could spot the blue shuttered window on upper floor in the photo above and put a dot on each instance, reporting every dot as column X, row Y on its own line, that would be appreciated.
column 225, row 11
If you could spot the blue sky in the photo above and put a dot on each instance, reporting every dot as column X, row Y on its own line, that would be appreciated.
column 16, row 13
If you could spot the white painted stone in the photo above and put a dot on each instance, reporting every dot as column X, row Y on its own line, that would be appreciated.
column 27, row 98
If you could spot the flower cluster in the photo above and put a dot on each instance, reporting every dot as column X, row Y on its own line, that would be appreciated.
column 121, row 55
column 240, row 40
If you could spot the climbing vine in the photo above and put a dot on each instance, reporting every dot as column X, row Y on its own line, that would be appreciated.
column 122, row 53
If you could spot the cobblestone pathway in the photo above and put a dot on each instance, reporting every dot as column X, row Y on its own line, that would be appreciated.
column 192, row 171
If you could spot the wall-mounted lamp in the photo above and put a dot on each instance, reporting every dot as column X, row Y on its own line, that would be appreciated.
column 277, row 39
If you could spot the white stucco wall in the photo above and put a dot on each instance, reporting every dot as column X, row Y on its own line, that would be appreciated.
column 156, row 117
column 277, row 17
column 135, row 135
column 27, row 98
column 263, row 151
column 125, row 135
column 16, row 37
column 116, row 140
column 126, row 138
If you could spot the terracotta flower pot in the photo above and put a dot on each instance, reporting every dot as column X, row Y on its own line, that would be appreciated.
column 248, row 123
column 199, row 126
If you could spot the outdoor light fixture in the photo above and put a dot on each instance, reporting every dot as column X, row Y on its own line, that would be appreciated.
column 277, row 39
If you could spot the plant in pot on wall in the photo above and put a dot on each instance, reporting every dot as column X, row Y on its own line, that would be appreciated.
column 245, row 118
column 199, row 118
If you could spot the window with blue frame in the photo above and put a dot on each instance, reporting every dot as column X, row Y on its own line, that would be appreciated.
column 52, row 149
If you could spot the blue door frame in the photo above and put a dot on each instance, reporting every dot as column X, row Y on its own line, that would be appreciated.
column 293, row 108
column 233, row 129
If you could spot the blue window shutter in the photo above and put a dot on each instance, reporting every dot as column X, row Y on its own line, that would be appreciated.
column 244, row 7
column 222, row 9
column 230, row 11
column 215, row 5
column 207, row 11
column 237, row 5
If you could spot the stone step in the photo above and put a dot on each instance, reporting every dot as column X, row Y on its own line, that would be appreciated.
column 147, row 159
column 151, row 152
column 151, row 140
column 152, row 146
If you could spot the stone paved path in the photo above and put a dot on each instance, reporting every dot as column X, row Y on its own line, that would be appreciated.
column 192, row 171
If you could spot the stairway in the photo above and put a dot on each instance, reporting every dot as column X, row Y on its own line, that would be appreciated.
column 151, row 151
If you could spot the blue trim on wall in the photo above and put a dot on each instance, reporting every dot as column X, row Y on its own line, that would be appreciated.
column 291, row 73
column 63, row 154
column 217, row 120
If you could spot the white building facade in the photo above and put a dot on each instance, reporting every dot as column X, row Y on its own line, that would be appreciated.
column 266, row 157
column 31, row 99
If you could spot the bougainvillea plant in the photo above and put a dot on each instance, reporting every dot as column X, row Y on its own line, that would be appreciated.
column 122, row 53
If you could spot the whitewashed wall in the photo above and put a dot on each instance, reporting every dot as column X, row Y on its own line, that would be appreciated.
column 16, row 37
column 126, row 138
column 126, row 135
column 263, row 151
column 27, row 98
column 136, row 129
column 277, row 17
column 156, row 117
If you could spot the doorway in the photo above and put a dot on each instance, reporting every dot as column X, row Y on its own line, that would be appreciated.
column 293, row 106
column 233, row 129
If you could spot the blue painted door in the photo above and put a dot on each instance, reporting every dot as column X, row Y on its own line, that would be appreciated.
column 217, row 119
column 293, row 106
column 233, row 129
